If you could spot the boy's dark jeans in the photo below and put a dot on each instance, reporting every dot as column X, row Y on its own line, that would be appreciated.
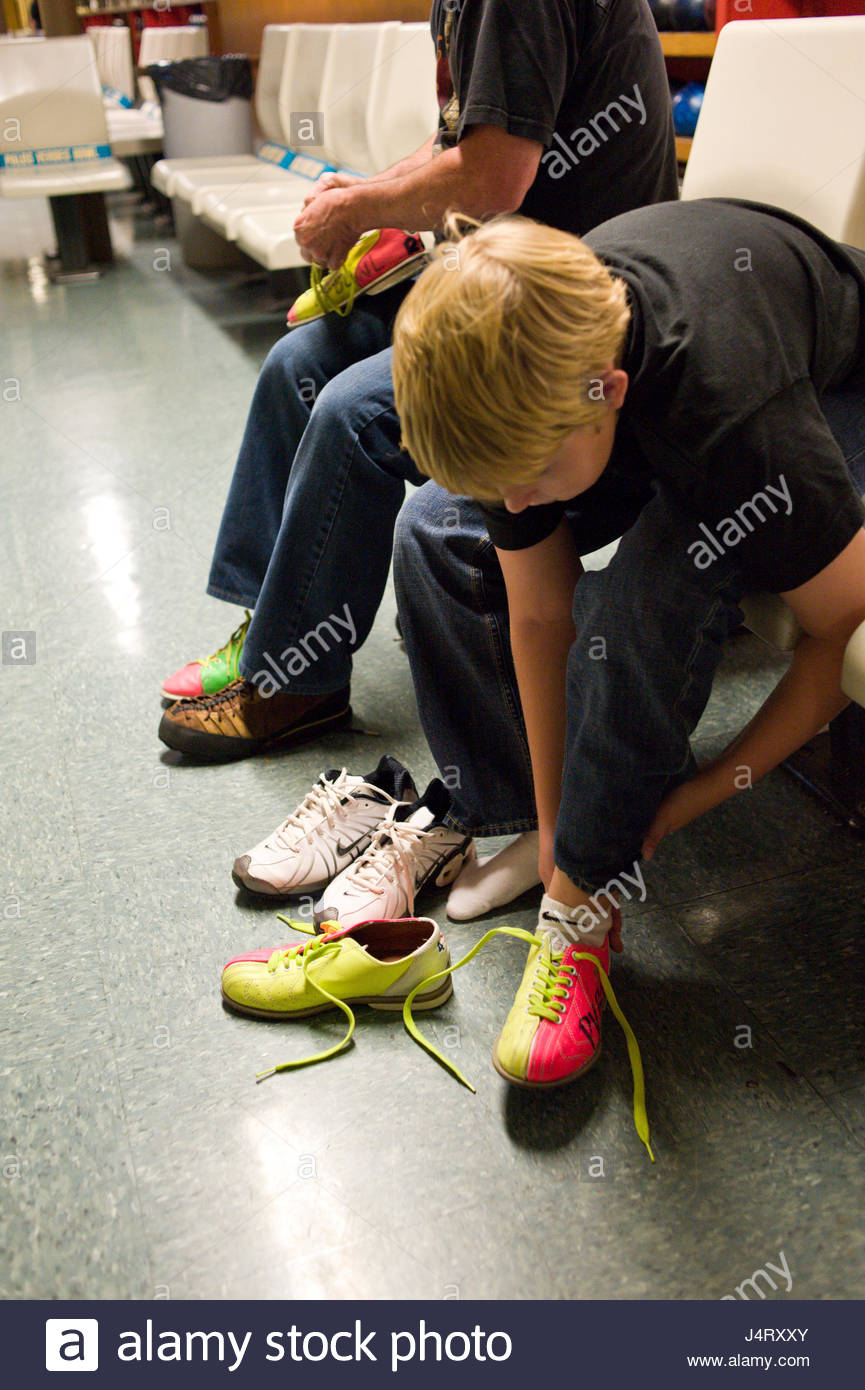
column 650, row 629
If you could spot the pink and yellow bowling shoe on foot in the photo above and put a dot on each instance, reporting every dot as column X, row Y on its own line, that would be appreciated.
column 553, row 1031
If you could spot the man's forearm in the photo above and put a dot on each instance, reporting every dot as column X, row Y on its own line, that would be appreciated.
column 419, row 199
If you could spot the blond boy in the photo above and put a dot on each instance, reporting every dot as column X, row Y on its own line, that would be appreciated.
column 690, row 377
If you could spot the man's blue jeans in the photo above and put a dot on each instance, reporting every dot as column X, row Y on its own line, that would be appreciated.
column 307, row 528
column 650, row 630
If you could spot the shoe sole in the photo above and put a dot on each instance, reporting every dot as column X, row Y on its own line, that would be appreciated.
column 222, row 748
column 401, row 272
column 391, row 1005
column 439, row 874
column 259, row 889
column 541, row 1085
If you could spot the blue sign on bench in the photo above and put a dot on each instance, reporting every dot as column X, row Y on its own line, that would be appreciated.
column 119, row 98
column 303, row 164
column 57, row 154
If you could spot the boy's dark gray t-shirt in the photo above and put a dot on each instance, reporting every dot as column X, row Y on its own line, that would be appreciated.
column 742, row 317
column 584, row 78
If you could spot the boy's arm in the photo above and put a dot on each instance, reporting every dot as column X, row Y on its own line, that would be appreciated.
column 540, row 583
column 829, row 608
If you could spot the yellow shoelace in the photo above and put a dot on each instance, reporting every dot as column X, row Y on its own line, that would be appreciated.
column 550, row 988
column 545, row 996
column 331, row 287
column 303, row 954
column 545, row 1008
column 237, row 636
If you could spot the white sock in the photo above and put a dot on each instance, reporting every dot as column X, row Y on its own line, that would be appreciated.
column 585, row 926
column 488, row 883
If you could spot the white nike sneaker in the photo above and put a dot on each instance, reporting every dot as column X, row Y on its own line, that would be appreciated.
column 411, row 850
column 327, row 832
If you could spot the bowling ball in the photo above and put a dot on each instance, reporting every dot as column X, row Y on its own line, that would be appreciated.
column 663, row 12
column 686, row 108
column 690, row 14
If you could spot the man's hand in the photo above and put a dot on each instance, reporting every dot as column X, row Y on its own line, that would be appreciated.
column 326, row 230
column 331, row 180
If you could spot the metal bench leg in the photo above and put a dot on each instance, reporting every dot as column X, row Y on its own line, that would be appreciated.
column 83, row 236
column 832, row 766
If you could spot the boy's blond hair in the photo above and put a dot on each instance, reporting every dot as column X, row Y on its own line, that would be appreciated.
column 496, row 350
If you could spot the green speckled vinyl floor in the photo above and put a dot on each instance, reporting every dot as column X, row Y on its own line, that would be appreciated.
column 139, row 1159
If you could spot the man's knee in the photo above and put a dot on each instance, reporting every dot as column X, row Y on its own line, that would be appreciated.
column 289, row 359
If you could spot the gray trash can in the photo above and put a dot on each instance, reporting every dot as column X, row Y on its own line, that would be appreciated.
column 206, row 110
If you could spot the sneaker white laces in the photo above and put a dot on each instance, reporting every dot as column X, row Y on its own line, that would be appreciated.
column 318, row 806
column 388, row 860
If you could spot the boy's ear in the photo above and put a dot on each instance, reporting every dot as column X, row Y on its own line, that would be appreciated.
column 610, row 386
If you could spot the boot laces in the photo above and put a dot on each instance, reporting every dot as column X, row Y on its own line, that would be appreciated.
column 223, row 698
column 302, row 955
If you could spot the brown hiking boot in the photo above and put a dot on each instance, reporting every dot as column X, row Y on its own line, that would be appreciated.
column 239, row 721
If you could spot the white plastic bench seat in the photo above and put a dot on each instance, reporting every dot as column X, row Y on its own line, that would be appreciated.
column 354, row 54
column 267, row 236
column 113, row 45
column 223, row 207
column 96, row 176
column 280, row 46
column 193, row 186
column 225, row 211
column 51, row 91
column 135, row 131
column 166, row 172
column 399, row 60
column 402, row 112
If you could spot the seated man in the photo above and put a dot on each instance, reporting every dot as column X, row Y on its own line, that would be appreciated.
column 534, row 116
column 692, row 378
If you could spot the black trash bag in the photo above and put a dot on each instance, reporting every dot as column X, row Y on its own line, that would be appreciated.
column 207, row 79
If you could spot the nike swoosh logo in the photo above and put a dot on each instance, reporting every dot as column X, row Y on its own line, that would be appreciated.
column 347, row 849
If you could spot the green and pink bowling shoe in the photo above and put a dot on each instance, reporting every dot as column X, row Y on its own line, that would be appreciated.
column 211, row 674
